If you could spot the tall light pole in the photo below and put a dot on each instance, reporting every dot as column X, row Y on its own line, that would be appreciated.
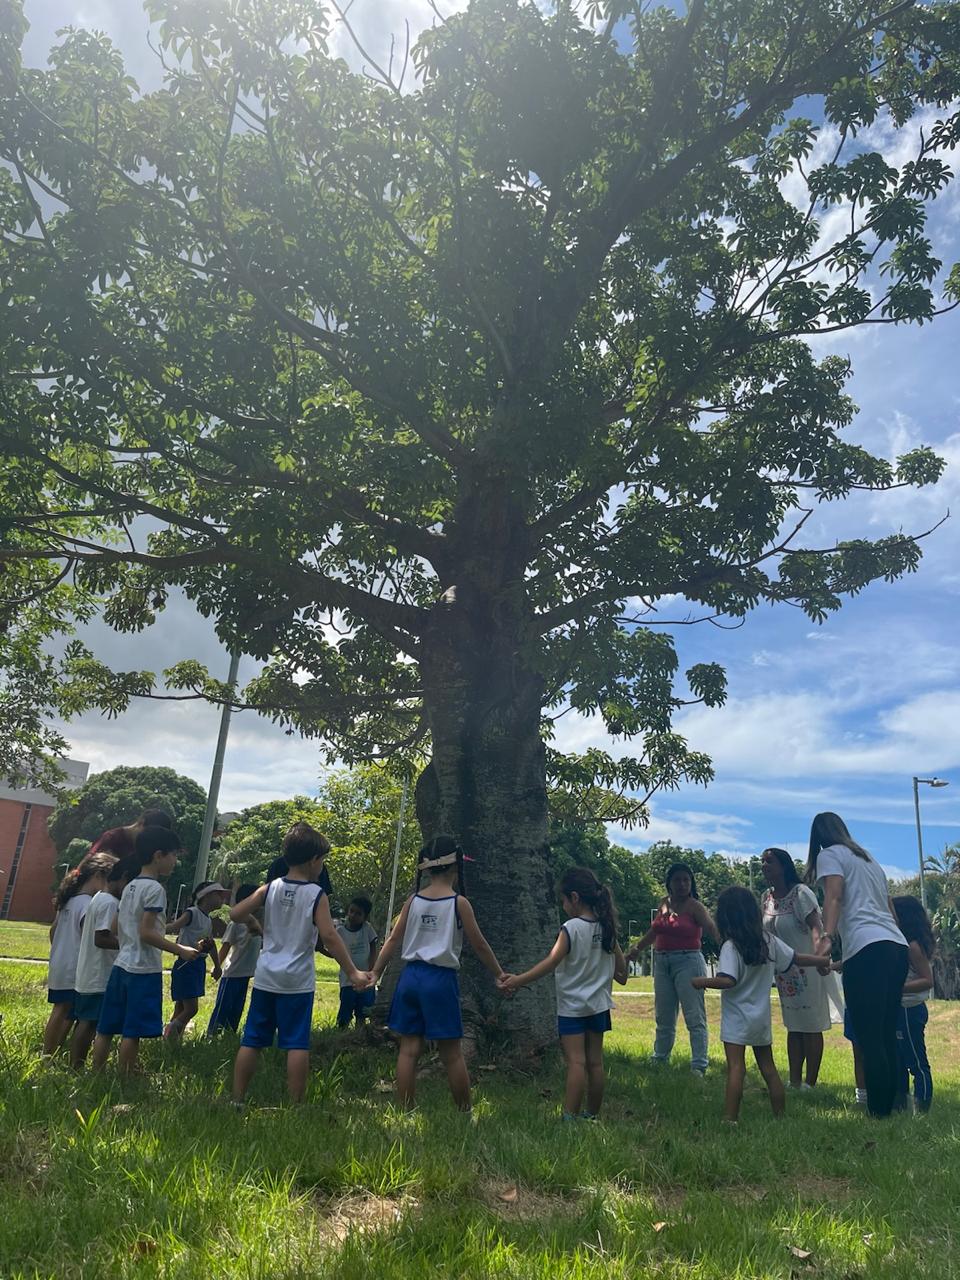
column 213, row 795
column 928, row 782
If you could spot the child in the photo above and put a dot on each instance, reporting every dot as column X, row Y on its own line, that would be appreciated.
column 295, row 909
column 749, row 958
column 585, row 959
column 133, row 1001
column 98, row 951
column 360, row 939
column 426, row 1003
column 911, row 1042
column 73, row 899
column 187, row 978
column 238, row 962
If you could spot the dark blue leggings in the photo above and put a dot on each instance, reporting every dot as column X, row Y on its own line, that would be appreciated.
column 912, row 1058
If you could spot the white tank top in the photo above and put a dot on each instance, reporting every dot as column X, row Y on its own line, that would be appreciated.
column 286, row 964
column 198, row 926
column 585, row 974
column 434, row 932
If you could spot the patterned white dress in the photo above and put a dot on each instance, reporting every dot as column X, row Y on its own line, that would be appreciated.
column 803, row 992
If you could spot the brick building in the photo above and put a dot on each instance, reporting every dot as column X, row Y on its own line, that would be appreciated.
column 28, row 869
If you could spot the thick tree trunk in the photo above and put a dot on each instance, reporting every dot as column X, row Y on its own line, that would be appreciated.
column 486, row 784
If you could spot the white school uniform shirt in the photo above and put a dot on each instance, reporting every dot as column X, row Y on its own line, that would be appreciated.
column 286, row 965
column 434, row 932
column 94, row 963
column 745, row 1008
column 865, row 915
column 358, row 942
column 199, row 925
column 65, row 947
column 911, row 998
column 141, row 897
column 241, row 961
column 584, row 976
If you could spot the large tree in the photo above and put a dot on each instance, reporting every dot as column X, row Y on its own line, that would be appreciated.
column 428, row 380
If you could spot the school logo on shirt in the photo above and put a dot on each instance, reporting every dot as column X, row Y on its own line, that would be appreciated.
column 428, row 920
column 289, row 894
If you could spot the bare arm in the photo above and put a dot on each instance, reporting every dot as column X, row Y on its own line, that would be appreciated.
column 646, row 941
column 241, row 912
column 620, row 973
column 372, row 957
column 514, row 981
column 832, row 898
column 814, row 923
column 920, row 963
column 106, row 940
column 722, row 982
column 152, row 935
column 176, row 925
column 705, row 920
column 393, row 942
column 334, row 944
column 223, row 953
column 481, row 947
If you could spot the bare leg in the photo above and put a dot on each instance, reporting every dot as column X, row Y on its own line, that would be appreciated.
column 411, row 1048
column 796, row 1053
column 243, row 1071
column 768, row 1069
column 57, row 1028
column 81, row 1042
column 813, row 1046
column 736, row 1071
column 298, row 1067
column 595, row 1076
column 128, row 1055
column 101, row 1051
column 458, row 1077
column 183, row 1014
column 575, row 1052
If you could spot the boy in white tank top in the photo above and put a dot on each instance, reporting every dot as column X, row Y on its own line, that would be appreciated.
column 295, row 910
column 426, row 1003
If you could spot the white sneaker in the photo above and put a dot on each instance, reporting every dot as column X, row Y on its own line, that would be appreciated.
column 861, row 1096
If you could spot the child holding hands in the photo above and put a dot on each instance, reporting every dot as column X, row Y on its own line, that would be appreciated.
column 585, row 959
column 426, row 1003
column 749, row 958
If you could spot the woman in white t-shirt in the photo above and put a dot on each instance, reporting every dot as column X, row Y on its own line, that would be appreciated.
column 791, row 911
column 858, row 911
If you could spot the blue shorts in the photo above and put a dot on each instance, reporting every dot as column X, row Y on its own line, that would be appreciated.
column 354, row 1002
column 132, row 1005
column 228, row 1006
column 599, row 1022
column 427, row 1003
column 287, row 1015
column 848, row 1026
column 87, row 1006
column 187, row 978
column 62, row 995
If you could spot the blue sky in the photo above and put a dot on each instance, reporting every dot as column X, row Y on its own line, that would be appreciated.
column 838, row 716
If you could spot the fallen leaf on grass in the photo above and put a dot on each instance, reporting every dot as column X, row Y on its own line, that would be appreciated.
column 509, row 1196
column 144, row 1245
column 802, row 1254
column 658, row 1226
column 867, row 1238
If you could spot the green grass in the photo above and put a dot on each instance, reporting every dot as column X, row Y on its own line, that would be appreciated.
column 161, row 1178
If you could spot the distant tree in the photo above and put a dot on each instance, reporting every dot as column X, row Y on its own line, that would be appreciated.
column 117, row 797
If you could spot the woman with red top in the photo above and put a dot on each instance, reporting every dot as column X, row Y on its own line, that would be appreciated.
column 677, row 934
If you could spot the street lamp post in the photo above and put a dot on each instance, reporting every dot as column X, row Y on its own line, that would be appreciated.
column 928, row 782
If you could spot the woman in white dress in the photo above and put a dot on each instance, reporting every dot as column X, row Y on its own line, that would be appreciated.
column 791, row 912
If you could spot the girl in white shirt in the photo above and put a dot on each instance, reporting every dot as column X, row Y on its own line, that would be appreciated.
column 73, row 898
column 749, row 959
column 426, row 1002
column 585, row 959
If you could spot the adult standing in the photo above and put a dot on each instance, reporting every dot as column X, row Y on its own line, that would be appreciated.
column 857, row 909
column 121, row 841
column 791, row 912
column 677, row 937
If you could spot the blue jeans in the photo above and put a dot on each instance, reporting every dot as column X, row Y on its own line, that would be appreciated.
column 672, row 971
column 912, row 1058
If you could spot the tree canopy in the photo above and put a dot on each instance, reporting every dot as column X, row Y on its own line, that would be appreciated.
column 432, row 382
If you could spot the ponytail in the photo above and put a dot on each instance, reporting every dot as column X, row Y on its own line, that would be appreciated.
column 597, row 896
column 94, row 864
column 444, row 852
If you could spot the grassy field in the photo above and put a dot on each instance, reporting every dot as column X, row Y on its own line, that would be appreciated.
column 161, row 1177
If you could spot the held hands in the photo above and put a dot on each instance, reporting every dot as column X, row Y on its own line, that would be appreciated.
column 188, row 953
column 508, row 983
column 363, row 980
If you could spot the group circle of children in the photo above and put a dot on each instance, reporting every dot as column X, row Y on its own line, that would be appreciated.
column 105, row 977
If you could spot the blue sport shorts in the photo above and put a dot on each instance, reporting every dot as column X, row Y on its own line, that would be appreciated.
column 590, row 1022
column 288, row 1015
column 62, row 995
column 228, row 1006
column 87, row 1006
column 132, row 1005
column 187, row 978
column 427, row 1003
